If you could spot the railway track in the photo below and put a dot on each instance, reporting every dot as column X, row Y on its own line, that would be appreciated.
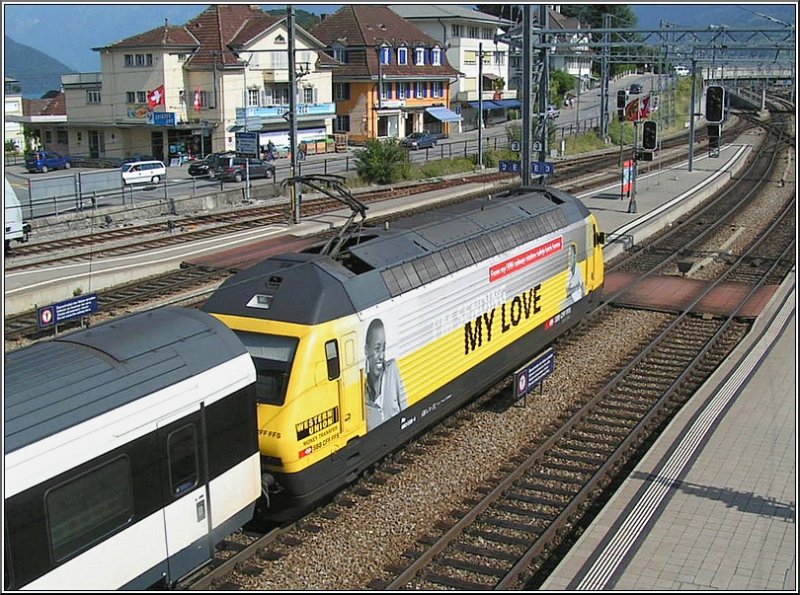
column 504, row 535
column 123, row 298
column 575, row 175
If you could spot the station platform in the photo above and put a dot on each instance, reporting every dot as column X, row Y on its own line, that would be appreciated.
column 712, row 506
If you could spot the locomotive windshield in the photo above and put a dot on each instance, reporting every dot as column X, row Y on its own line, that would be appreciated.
column 273, row 357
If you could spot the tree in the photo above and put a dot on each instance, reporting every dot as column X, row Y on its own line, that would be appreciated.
column 382, row 161
column 510, row 12
column 622, row 17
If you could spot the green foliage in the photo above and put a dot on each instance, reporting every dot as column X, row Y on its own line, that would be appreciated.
column 560, row 84
column 441, row 167
column 10, row 146
column 382, row 161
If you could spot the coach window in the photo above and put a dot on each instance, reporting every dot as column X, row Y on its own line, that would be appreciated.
column 89, row 508
column 332, row 357
column 183, row 465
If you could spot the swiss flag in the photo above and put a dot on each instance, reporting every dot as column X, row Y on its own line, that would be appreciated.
column 198, row 101
column 156, row 97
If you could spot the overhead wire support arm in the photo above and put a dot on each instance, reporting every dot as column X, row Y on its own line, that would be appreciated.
column 334, row 187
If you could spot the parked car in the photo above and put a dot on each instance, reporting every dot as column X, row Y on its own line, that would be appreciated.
column 553, row 111
column 635, row 89
column 143, row 172
column 206, row 166
column 230, row 168
column 419, row 140
column 44, row 161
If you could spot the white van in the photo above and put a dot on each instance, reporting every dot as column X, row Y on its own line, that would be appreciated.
column 681, row 71
column 15, row 227
column 143, row 172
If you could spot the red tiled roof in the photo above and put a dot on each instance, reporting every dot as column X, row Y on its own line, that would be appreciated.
column 166, row 36
column 216, row 27
column 372, row 26
column 57, row 106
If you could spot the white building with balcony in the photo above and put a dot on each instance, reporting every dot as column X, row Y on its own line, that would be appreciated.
column 178, row 91
column 468, row 34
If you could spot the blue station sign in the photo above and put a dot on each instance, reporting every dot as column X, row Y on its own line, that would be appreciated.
column 161, row 118
column 67, row 310
column 533, row 373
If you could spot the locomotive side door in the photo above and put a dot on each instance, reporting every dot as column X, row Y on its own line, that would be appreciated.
column 349, row 387
column 185, row 493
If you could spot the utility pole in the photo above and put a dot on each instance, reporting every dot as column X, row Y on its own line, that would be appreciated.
column 480, row 105
column 527, row 88
column 544, row 84
column 293, row 144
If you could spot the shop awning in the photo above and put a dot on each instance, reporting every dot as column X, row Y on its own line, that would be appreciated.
column 486, row 105
column 508, row 103
column 443, row 114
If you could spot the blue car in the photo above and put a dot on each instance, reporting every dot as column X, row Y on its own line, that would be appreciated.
column 44, row 161
column 419, row 140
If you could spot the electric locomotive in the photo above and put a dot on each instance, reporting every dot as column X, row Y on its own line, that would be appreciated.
column 358, row 350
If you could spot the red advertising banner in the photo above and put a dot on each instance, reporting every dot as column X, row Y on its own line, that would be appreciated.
column 519, row 262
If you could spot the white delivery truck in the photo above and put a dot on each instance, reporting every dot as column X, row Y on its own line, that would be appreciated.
column 16, row 228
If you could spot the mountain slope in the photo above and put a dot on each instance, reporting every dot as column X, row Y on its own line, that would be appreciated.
column 36, row 72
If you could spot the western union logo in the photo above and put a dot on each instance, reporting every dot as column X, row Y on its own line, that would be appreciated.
column 317, row 423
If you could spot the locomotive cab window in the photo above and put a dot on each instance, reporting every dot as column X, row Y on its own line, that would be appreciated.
column 183, row 464
column 273, row 357
column 88, row 508
column 332, row 357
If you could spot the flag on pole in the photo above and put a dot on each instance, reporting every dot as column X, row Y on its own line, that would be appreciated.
column 644, row 108
column 638, row 110
column 156, row 97
column 198, row 100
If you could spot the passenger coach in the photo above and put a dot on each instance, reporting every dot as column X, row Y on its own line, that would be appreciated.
column 359, row 350
column 130, row 451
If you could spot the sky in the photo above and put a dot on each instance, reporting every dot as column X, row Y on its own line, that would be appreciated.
column 69, row 31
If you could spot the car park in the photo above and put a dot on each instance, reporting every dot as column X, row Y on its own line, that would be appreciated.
column 143, row 172
column 230, row 168
column 635, row 89
column 419, row 140
column 44, row 161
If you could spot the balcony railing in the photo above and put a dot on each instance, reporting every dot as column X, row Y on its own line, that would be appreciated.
column 82, row 78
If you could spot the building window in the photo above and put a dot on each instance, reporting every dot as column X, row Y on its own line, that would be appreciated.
column 386, row 55
column 436, row 57
column 436, row 89
column 130, row 96
column 420, row 56
column 470, row 57
column 128, row 59
column 181, row 96
column 487, row 33
column 420, row 90
column 402, row 56
column 341, row 91
column 62, row 138
column 141, row 97
column 386, row 90
column 149, row 59
column 92, row 96
column 458, row 30
column 182, row 57
column 48, row 137
column 205, row 98
column 500, row 58
column 309, row 95
column 139, row 59
column 280, row 95
column 252, row 97
column 341, row 124
column 402, row 90
column 473, row 32
column 341, row 55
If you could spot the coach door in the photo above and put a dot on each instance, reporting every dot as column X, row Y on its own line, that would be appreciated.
column 186, row 506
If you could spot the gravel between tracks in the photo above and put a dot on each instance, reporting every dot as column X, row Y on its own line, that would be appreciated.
column 353, row 549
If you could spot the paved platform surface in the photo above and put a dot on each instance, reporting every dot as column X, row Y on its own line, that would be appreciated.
column 713, row 504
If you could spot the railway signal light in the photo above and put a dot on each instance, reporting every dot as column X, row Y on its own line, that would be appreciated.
column 621, row 97
column 650, row 135
column 715, row 104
